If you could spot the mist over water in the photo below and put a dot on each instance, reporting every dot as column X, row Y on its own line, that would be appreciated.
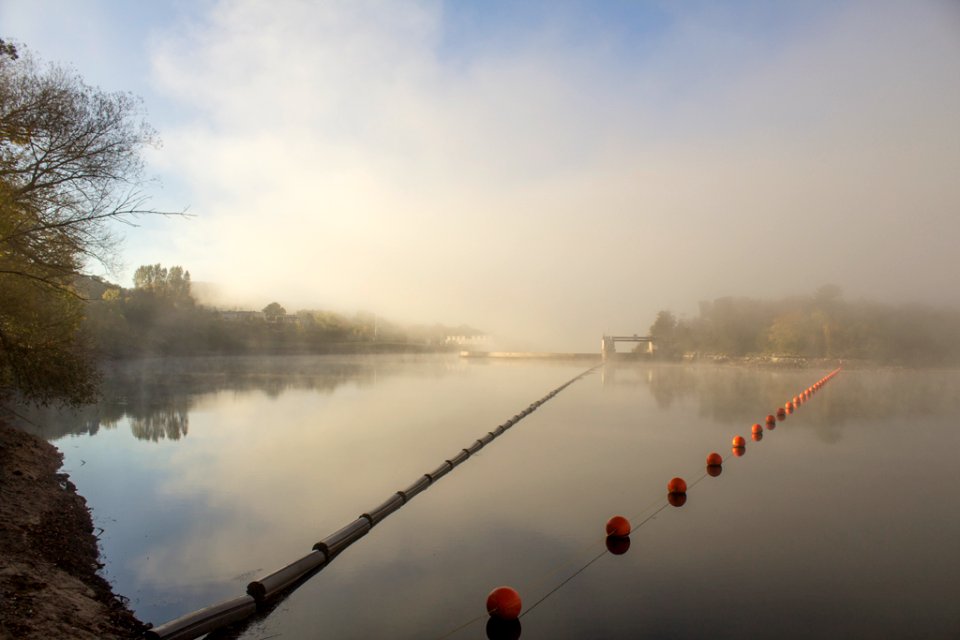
column 546, row 173
column 207, row 474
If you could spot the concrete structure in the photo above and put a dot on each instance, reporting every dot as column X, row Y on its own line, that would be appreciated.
column 608, row 347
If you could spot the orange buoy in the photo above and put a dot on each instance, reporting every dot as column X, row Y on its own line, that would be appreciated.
column 618, row 526
column 739, row 451
column 677, row 485
column 738, row 442
column 504, row 603
column 756, row 429
column 781, row 413
column 771, row 420
column 797, row 400
column 677, row 499
column 714, row 459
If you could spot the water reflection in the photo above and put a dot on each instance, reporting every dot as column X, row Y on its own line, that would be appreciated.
column 735, row 394
column 498, row 629
column 262, row 470
column 677, row 499
column 618, row 545
column 165, row 423
column 156, row 396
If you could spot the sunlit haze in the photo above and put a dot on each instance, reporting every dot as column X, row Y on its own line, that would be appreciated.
column 545, row 172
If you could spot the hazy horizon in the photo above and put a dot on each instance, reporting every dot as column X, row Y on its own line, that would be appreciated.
column 546, row 172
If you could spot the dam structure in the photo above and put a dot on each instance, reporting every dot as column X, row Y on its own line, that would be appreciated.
column 608, row 344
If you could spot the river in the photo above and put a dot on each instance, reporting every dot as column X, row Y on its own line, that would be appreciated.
column 205, row 474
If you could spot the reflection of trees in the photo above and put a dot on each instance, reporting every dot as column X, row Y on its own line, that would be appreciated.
column 738, row 395
column 157, row 395
column 165, row 423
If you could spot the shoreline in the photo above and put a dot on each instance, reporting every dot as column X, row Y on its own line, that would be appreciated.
column 49, row 557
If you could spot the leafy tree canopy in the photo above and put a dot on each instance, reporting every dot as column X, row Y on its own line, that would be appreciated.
column 274, row 310
column 818, row 325
column 70, row 164
column 172, row 283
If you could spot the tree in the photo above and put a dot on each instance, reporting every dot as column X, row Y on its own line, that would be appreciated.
column 69, row 165
column 663, row 331
column 172, row 284
column 273, row 311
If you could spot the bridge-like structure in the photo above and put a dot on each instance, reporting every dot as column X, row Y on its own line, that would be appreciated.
column 608, row 344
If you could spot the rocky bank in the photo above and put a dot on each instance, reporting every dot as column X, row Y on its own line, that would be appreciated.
column 49, row 586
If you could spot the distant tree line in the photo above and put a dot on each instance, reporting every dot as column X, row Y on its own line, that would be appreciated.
column 160, row 316
column 819, row 325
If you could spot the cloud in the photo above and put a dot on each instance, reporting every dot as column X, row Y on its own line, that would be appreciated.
column 347, row 155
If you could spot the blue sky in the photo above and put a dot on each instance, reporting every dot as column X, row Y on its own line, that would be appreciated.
column 547, row 170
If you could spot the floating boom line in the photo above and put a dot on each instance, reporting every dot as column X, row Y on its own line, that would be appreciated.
column 266, row 590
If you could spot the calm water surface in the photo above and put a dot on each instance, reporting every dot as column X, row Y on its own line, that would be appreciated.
column 843, row 521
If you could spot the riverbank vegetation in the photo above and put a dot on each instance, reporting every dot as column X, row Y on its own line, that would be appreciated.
column 159, row 316
column 820, row 325
column 70, row 165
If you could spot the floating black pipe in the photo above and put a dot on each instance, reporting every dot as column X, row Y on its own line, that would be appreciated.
column 279, row 581
column 415, row 488
column 219, row 615
column 381, row 511
column 205, row 620
column 441, row 471
column 460, row 457
column 341, row 539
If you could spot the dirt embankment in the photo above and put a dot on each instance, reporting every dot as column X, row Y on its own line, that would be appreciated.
column 49, row 587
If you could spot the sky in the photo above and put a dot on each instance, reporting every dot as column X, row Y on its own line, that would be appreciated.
column 545, row 171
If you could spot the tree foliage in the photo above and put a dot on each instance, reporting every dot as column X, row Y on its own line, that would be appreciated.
column 274, row 310
column 159, row 316
column 172, row 284
column 69, row 165
column 818, row 325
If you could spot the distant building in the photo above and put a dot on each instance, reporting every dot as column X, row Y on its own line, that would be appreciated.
column 242, row 316
column 467, row 341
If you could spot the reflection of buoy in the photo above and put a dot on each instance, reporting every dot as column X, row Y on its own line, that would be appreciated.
column 788, row 406
column 739, row 451
column 714, row 470
column 714, row 460
column 677, row 485
column 756, row 429
column 738, row 441
column 504, row 603
column 756, row 437
column 677, row 499
column 499, row 629
column 618, row 526
column 781, row 413
column 771, row 420
column 618, row 545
